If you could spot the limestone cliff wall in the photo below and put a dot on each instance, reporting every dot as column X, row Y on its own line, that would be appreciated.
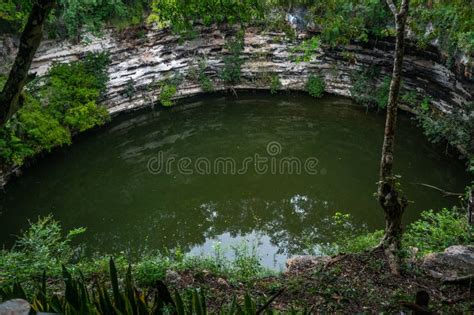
column 143, row 56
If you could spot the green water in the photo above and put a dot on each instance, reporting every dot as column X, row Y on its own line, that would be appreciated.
column 110, row 182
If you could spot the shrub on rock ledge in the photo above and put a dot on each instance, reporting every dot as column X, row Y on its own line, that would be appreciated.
column 315, row 86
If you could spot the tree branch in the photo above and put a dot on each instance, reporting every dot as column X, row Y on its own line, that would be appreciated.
column 444, row 192
column 392, row 7
column 403, row 8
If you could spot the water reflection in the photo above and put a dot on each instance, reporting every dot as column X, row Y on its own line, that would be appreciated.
column 102, row 181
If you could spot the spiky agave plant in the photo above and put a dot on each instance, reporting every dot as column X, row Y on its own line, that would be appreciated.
column 81, row 298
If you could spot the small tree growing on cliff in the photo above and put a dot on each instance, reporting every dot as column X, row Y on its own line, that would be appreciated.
column 389, row 198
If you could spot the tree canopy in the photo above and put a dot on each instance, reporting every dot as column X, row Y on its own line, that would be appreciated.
column 449, row 24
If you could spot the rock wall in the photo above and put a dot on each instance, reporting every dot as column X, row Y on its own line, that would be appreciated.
column 141, row 57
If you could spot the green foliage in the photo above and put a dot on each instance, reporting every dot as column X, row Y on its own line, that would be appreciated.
column 344, row 20
column 71, row 17
column 168, row 91
column 89, row 13
column 350, row 237
column 264, row 79
column 340, row 21
column 275, row 84
column 433, row 232
column 315, row 86
column 15, row 12
column 451, row 24
column 425, row 104
column 3, row 80
column 204, row 80
column 64, row 104
column 42, row 247
column 130, row 89
column 232, row 62
column 409, row 98
column 246, row 262
column 437, row 230
column 181, row 15
column 367, row 91
column 455, row 128
column 304, row 52
column 381, row 93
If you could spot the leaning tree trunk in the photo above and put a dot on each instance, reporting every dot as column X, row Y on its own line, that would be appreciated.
column 29, row 42
column 390, row 200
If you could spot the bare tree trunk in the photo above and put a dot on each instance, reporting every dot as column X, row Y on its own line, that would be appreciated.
column 29, row 42
column 393, row 204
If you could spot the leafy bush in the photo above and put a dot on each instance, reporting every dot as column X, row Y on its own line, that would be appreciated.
column 433, row 232
column 181, row 15
column 381, row 93
column 275, row 84
column 437, row 230
column 456, row 128
column 367, row 91
column 305, row 51
column 204, row 80
column 232, row 62
column 350, row 238
column 167, row 93
column 42, row 247
column 315, row 86
column 63, row 104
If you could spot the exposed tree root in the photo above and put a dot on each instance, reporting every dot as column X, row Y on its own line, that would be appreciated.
column 461, row 279
column 334, row 260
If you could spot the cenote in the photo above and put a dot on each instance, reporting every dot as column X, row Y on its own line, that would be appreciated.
column 110, row 182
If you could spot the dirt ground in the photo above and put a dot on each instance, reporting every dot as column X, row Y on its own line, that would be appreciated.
column 347, row 284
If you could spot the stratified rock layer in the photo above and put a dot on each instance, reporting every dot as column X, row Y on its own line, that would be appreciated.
column 143, row 57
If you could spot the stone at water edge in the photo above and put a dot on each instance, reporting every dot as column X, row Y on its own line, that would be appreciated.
column 302, row 262
column 15, row 307
column 172, row 277
column 455, row 261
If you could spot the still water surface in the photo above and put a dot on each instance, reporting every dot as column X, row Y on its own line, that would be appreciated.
column 115, row 181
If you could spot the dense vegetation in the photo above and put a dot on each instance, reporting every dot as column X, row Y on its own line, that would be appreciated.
column 55, row 108
column 451, row 22
column 456, row 130
column 434, row 232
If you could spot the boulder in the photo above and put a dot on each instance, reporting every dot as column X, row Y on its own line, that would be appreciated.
column 299, row 263
column 223, row 283
column 456, row 261
column 172, row 277
column 15, row 307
